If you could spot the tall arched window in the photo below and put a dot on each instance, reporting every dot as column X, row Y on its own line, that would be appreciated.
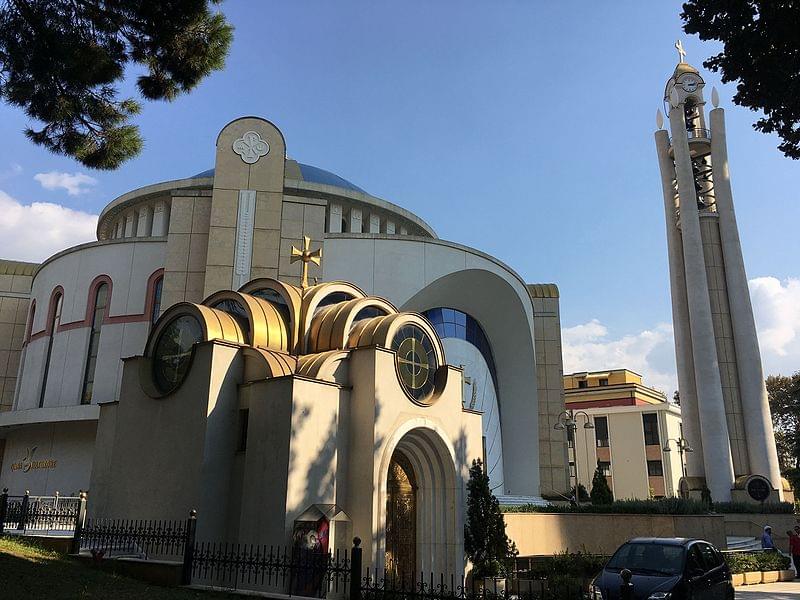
column 156, row 304
column 100, row 303
column 31, row 315
column 55, row 321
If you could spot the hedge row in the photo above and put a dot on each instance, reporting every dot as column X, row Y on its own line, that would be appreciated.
column 744, row 562
column 664, row 506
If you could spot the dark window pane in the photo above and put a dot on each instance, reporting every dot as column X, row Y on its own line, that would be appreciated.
column 650, row 423
column 601, row 431
column 655, row 468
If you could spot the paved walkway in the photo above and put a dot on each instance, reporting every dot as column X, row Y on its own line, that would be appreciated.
column 785, row 590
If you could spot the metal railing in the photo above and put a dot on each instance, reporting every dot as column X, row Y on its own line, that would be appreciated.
column 40, row 515
column 138, row 538
column 698, row 133
column 277, row 569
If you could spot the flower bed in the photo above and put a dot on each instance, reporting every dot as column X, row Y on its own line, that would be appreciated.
column 758, row 567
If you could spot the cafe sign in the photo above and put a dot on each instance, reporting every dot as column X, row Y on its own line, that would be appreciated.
column 28, row 463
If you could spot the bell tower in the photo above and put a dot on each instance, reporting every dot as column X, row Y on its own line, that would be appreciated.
column 726, row 418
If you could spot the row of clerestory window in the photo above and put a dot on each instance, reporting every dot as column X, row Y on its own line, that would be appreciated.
column 102, row 299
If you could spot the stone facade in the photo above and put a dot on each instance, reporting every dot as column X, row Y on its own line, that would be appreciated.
column 553, row 467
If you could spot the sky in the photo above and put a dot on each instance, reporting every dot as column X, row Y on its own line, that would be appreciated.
column 522, row 129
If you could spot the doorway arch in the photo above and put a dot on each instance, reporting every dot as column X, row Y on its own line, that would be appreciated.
column 429, row 463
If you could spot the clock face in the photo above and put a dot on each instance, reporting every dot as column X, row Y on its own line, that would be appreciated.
column 689, row 83
column 416, row 361
column 172, row 352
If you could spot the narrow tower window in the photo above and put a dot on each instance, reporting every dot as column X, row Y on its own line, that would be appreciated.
column 100, row 303
column 156, row 304
column 54, row 323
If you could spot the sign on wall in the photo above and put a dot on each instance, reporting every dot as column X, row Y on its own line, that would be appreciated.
column 28, row 463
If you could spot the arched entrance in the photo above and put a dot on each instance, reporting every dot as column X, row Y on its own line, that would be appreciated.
column 420, row 506
column 401, row 517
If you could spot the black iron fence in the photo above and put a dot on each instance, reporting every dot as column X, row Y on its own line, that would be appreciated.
column 135, row 538
column 279, row 569
column 273, row 568
column 47, row 515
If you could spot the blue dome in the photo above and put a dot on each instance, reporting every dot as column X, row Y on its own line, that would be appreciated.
column 310, row 173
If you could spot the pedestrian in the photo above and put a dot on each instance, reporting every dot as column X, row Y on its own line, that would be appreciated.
column 794, row 550
column 766, row 539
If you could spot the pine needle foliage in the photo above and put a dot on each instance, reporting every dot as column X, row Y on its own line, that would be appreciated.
column 62, row 60
column 485, row 541
column 601, row 493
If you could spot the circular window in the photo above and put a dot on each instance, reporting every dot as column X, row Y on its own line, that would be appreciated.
column 758, row 488
column 172, row 352
column 416, row 361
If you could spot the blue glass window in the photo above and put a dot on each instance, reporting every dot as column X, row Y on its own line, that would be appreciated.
column 452, row 323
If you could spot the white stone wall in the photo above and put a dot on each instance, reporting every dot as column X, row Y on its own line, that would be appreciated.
column 129, row 265
column 418, row 274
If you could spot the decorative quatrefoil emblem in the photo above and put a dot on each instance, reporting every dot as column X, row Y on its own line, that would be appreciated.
column 250, row 147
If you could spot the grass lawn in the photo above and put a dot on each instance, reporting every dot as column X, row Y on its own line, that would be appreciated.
column 30, row 572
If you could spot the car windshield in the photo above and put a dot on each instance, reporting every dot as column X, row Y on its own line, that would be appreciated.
column 648, row 558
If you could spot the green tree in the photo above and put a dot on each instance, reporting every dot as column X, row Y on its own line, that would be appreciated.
column 485, row 541
column 784, row 404
column 601, row 493
column 761, row 51
column 60, row 61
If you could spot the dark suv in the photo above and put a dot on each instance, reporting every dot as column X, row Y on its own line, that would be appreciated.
column 666, row 569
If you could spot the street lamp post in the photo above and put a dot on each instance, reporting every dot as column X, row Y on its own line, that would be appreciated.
column 568, row 420
column 683, row 446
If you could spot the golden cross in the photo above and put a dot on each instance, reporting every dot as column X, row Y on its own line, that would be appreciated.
column 307, row 256
column 681, row 51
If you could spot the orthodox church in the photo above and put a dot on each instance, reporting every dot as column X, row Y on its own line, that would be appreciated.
column 265, row 341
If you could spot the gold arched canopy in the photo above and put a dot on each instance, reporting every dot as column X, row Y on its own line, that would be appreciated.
column 265, row 364
column 292, row 297
column 380, row 331
column 325, row 366
column 316, row 295
column 296, row 332
column 330, row 327
column 216, row 324
column 268, row 328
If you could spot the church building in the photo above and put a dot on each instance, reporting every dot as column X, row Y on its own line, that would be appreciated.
column 269, row 317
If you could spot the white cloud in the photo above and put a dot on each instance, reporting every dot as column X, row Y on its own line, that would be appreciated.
column 776, row 306
column 74, row 183
column 35, row 231
column 589, row 347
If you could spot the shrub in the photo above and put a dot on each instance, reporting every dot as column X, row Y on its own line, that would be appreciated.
column 485, row 541
column 743, row 562
column 663, row 506
column 568, row 565
column 601, row 493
